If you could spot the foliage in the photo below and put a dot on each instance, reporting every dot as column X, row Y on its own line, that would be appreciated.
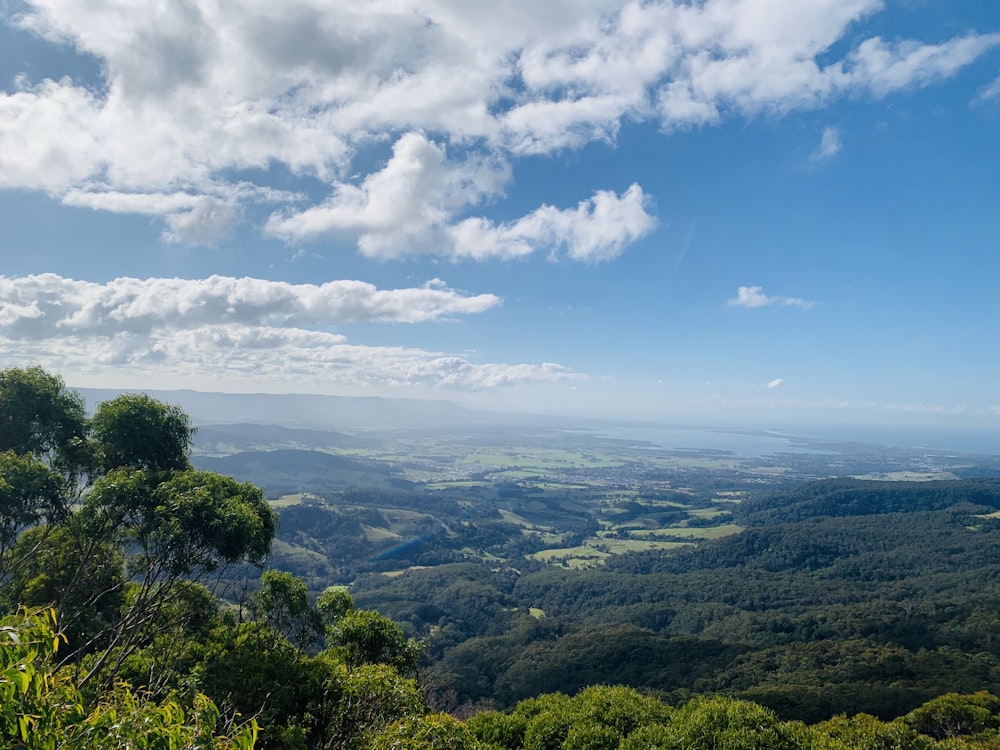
column 433, row 732
column 364, row 637
column 104, row 519
column 30, row 494
column 283, row 604
column 83, row 574
column 358, row 704
column 709, row 723
column 866, row 732
column 953, row 715
column 135, row 431
column 333, row 604
column 39, row 417
column 41, row 709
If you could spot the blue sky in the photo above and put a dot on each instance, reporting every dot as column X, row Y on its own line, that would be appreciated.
column 727, row 211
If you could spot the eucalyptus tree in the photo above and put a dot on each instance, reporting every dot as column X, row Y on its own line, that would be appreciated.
column 44, row 452
column 108, row 514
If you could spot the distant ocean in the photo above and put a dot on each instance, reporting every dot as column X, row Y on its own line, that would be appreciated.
column 806, row 439
column 959, row 440
column 742, row 443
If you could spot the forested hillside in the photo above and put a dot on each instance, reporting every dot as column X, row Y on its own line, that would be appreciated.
column 141, row 607
column 865, row 597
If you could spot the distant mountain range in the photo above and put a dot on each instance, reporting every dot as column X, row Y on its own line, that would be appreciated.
column 316, row 411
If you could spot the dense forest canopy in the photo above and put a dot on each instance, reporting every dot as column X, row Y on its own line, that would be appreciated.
column 138, row 608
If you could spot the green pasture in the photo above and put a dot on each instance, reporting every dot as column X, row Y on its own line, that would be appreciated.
column 294, row 498
column 699, row 532
column 512, row 517
column 582, row 556
column 596, row 551
column 293, row 555
column 707, row 512
column 377, row 535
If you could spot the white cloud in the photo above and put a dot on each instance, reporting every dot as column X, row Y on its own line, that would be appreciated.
column 231, row 329
column 196, row 92
column 884, row 68
column 410, row 207
column 753, row 296
column 207, row 223
column 131, row 203
column 403, row 208
column 597, row 229
column 290, row 358
column 49, row 305
column 49, row 136
column 776, row 383
column 829, row 145
column 989, row 92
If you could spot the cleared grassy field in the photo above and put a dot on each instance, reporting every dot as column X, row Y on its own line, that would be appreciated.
column 706, row 512
column 572, row 557
column 698, row 532
column 377, row 535
column 596, row 551
column 295, row 498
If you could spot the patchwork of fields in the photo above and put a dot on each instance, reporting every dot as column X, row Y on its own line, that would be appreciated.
column 562, row 498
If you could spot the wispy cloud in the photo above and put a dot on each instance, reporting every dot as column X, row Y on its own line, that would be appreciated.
column 988, row 93
column 776, row 383
column 829, row 145
column 753, row 296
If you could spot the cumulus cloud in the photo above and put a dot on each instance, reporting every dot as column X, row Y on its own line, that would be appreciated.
column 194, row 93
column 776, row 383
column 47, row 304
column 597, row 229
column 829, row 145
column 402, row 208
column 231, row 328
column 753, row 296
column 49, row 136
column 410, row 207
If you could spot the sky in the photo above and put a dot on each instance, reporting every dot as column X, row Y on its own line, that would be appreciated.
column 710, row 211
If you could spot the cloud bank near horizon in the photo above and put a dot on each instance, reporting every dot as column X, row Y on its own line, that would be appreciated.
column 246, row 328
